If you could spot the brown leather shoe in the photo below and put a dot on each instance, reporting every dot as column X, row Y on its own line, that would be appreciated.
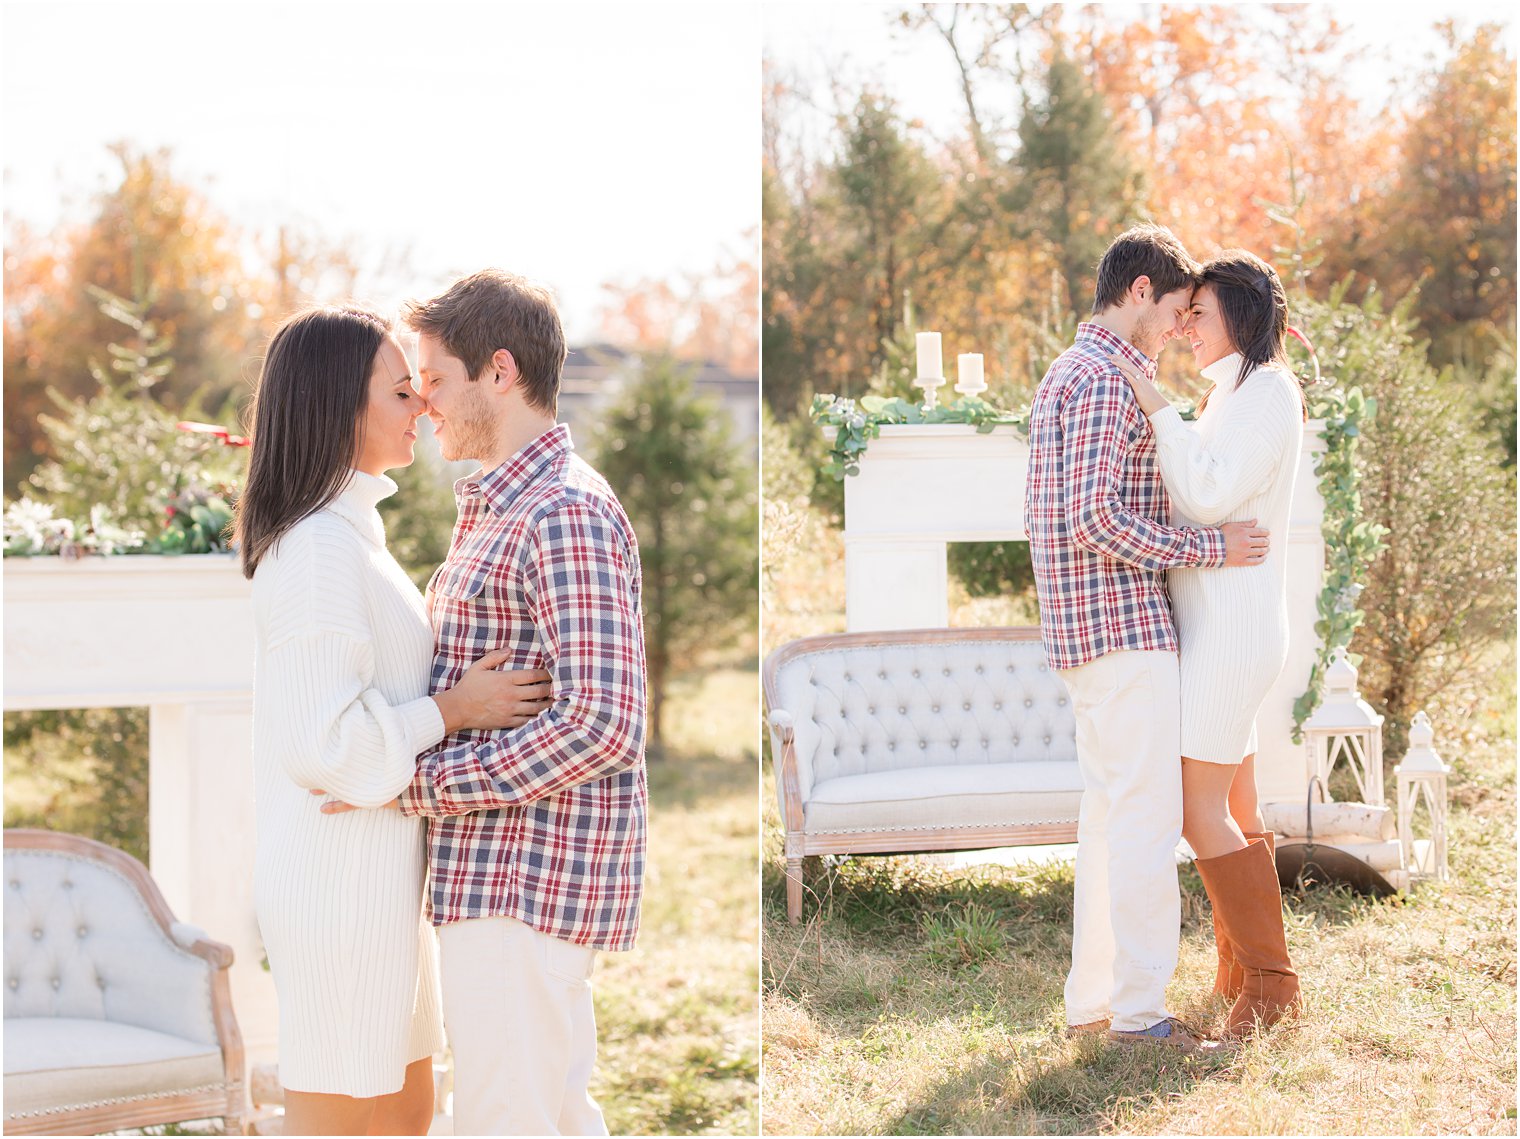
column 1169, row 1033
column 1091, row 1028
column 1229, row 976
column 1248, row 904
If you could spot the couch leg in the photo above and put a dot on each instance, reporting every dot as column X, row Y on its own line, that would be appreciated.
column 793, row 889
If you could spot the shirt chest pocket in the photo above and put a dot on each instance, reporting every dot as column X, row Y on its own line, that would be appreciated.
column 463, row 584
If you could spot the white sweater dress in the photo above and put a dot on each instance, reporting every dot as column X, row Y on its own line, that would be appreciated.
column 1236, row 463
column 344, row 653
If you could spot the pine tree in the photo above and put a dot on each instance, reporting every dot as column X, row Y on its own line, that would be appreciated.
column 690, row 493
column 1074, row 188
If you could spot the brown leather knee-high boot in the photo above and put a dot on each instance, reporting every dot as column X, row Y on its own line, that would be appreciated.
column 1243, row 887
column 1228, row 977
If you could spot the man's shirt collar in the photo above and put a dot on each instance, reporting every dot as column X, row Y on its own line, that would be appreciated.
column 1104, row 341
column 501, row 485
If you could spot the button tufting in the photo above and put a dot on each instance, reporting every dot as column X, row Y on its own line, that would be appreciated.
column 870, row 710
column 903, row 711
column 997, row 706
column 935, row 708
column 915, row 673
column 55, row 982
column 1061, row 701
column 881, row 676
column 68, row 885
column 979, row 670
column 15, row 885
column 84, row 929
column 966, row 707
column 892, row 746
column 1047, row 739
column 1015, row 741
column 922, row 745
column 984, row 743
column 955, row 743
column 945, row 671
column 36, row 935
column 12, row 982
column 1028, row 703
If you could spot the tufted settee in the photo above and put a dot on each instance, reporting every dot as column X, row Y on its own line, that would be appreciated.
column 116, row 1015
column 919, row 740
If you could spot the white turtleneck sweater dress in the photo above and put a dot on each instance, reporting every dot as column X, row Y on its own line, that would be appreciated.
column 344, row 654
column 1237, row 462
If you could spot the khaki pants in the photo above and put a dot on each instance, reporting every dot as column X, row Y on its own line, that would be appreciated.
column 1127, row 913
column 517, row 1006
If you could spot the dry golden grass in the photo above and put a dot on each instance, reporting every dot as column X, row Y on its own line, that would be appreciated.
column 677, row 1016
column 872, row 1027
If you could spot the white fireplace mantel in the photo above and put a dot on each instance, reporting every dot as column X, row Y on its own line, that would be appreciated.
column 175, row 635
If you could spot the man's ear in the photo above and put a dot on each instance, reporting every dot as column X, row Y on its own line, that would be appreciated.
column 1140, row 288
column 504, row 367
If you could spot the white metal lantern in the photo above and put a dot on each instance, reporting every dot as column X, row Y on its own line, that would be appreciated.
column 1422, row 776
column 1344, row 728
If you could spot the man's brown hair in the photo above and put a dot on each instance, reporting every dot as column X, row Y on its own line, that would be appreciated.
column 493, row 309
column 1144, row 251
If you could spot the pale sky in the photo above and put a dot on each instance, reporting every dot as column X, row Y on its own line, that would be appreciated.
column 852, row 44
column 574, row 143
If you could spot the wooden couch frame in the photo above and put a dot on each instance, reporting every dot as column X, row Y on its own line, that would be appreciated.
column 228, row 1105
column 800, row 845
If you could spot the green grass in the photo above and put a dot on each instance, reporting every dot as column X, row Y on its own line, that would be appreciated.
column 919, row 1000
column 677, row 1017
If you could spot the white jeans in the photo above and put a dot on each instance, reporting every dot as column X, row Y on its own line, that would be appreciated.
column 1127, row 911
column 517, row 1006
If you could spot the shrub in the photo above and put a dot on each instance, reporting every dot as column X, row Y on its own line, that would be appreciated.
column 1443, row 589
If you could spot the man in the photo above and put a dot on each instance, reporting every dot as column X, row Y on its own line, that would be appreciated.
column 538, row 833
column 1097, row 514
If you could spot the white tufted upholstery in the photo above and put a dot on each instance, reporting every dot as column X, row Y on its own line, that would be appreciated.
column 108, row 1002
column 921, row 740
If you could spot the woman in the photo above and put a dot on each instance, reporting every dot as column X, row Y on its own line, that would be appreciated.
column 344, row 655
column 1238, row 463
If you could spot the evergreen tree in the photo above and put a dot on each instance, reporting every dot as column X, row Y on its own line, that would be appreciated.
column 1074, row 188
column 119, row 451
column 690, row 493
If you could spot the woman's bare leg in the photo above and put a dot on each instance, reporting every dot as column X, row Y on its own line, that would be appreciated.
column 1206, row 821
column 316, row 1113
column 1245, row 809
column 409, row 1111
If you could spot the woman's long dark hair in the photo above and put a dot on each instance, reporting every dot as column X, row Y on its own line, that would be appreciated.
column 307, row 418
column 1254, row 308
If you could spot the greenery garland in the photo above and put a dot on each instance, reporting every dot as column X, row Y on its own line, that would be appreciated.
column 1350, row 543
column 857, row 424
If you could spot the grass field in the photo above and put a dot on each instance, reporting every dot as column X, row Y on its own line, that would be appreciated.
column 677, row 1017
column 915, row 999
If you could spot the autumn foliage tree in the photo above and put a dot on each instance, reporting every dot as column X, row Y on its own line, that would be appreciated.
column 207, row 286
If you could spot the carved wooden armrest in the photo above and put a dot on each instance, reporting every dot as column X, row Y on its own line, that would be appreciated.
column 791, row 788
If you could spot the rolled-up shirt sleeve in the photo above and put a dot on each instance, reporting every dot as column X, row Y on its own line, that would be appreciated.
column 580, row 586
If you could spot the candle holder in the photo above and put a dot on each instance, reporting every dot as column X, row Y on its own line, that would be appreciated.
column 931, row 369
column 968, row 371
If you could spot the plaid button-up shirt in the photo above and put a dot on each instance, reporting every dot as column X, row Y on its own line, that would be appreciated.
column 1097, row 510
column 544, row 823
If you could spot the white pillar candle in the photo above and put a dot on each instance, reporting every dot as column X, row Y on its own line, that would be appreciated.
column 930, row 362
column 968, row 372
